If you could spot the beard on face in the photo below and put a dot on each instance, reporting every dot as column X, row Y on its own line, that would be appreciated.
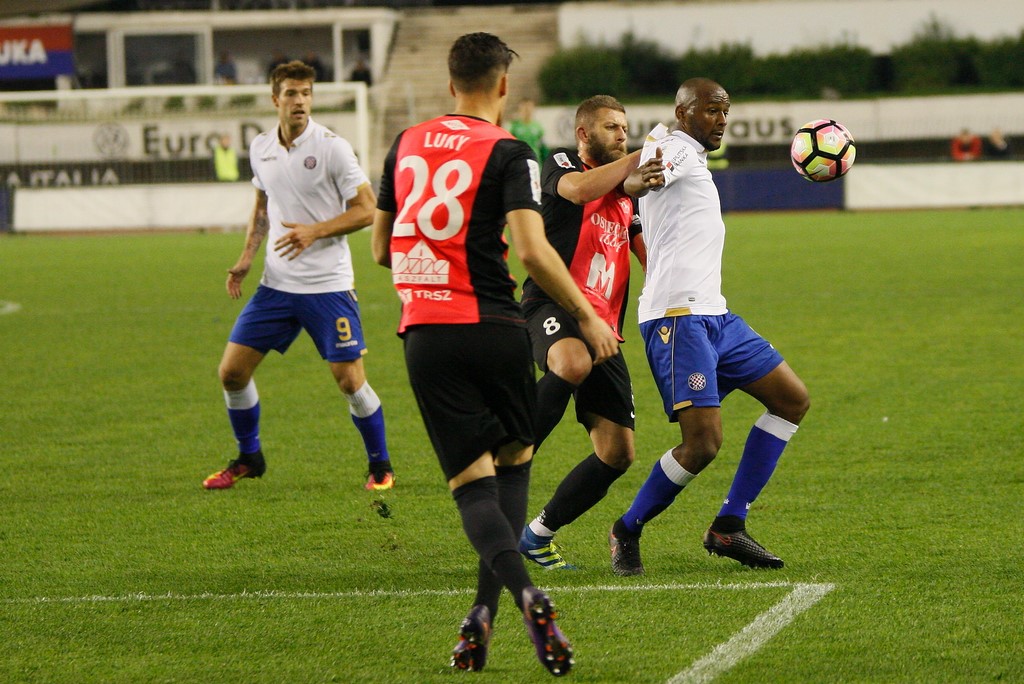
column 606, row 154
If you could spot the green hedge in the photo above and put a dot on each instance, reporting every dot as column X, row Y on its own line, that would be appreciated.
column 1001, row 64
column 935, row 60
column 580, row 72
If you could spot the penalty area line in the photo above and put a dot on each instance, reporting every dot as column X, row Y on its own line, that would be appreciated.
column 751, row 638
column 270, row 594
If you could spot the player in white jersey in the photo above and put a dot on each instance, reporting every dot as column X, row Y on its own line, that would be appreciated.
column 698, row 350
column 310, row 193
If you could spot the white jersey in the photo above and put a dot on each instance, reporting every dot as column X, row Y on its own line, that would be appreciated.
column 684, row 232
column 309, row 183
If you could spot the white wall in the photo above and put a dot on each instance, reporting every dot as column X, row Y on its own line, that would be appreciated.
column 779, row 26
column 920, row 186
column 228, row 205
column 134, row 207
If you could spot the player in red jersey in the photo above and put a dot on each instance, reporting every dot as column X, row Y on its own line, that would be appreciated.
column 593, row 224
column 450, row 185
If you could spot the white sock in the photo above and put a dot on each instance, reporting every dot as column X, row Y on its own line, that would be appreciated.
column 364, row 402
column 776, row 427
column 245, row 398
column 675, row 472
column 538, row 529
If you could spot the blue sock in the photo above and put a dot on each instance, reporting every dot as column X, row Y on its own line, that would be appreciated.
column 372, row 430
column 657, row 493
column 764, row 447
column 246, row 425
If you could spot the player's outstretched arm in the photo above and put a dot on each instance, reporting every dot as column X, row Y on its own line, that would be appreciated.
column 255, row 232
column 547, row 268
column 646, row 177
column 380, row 238
column 580, row 188
column 357, row 215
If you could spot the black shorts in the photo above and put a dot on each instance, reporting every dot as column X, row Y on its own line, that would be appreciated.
column 607, row 391
column 475, row 388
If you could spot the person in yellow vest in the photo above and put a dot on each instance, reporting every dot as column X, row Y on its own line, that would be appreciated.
column 225, row 160
column 718, row 159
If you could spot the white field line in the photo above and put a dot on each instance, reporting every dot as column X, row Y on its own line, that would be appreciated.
column 723, row 657
column 8, row 307
column 262, row 594
column 752, row 637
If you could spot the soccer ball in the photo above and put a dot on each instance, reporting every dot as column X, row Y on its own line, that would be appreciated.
column 822, row 150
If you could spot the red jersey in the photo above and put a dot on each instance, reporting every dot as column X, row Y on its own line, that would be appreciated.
column 450, row 181
column 593, row 240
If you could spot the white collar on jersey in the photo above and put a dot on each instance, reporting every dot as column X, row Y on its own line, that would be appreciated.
column 661, row 131
column 303, row 137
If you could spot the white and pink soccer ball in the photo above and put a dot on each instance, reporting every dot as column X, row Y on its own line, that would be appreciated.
column 822, row 150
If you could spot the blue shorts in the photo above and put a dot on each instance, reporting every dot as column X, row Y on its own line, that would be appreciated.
column 273, row 319
column 698, row 360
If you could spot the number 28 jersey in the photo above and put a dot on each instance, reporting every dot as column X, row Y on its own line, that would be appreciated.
column 450, row 181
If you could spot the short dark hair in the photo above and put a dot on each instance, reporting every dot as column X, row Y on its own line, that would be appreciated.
column 589, row 108
column 693, row 89
column 477, row 60
column 295, row 70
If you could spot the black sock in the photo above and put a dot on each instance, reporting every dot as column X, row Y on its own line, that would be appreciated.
column 579, row 491
column 513, row 491
column 491, row 534
column 727, row 524
column 552, row 397
column 620, row 530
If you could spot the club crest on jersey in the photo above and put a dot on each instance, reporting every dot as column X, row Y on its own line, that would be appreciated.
column 309, row 162
column 696, row 382
column 562, row 159
column 454, row 125
column 626, row 204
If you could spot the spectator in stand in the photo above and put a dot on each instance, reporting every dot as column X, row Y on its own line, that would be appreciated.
column 278, row 58
column 966, row 146
column 313, row 60
column 997, row 146
column 226, row 73
column 361, row 72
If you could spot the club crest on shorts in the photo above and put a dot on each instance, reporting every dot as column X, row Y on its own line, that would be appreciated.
column 309, row 162
column 696, row 382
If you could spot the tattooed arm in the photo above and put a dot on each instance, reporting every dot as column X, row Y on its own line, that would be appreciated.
column 256, row 232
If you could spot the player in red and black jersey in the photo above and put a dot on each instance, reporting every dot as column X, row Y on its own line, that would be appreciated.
column 450, row 185
column 594, row 225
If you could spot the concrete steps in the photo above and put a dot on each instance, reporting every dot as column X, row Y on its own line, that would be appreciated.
column 415, row 84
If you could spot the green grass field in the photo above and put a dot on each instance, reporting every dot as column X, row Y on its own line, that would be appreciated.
column 897, row 507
